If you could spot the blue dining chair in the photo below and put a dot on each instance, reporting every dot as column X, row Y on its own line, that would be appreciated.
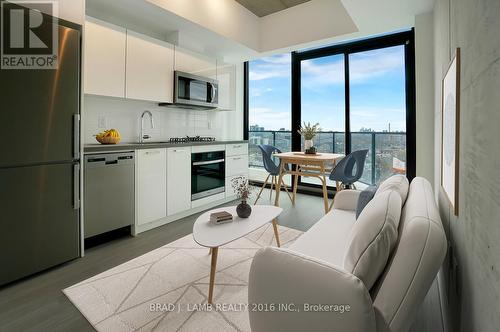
column 343, row 172
column 272, row 168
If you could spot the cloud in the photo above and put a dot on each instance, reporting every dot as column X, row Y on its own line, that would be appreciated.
column 367, row 65
column 270, row 67
column 258, row 92
column 363, row 66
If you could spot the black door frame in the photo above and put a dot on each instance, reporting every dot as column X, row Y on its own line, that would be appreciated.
column 405, row 38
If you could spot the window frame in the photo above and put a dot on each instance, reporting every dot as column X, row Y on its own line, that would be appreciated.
column 404, row 38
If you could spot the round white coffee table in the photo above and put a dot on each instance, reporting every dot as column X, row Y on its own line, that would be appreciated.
column 213, row 236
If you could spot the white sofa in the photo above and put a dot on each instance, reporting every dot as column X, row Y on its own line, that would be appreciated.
column 378, row 290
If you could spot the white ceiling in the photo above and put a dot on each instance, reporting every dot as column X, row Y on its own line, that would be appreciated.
column 220, row 32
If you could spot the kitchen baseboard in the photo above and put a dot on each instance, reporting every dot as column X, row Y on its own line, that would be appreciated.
column 137, row 229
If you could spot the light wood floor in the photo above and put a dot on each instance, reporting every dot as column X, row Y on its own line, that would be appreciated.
column 38, row 304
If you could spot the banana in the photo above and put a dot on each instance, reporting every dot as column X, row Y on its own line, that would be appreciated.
column 108, row 133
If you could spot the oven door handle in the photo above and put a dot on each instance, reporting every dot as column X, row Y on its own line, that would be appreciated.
column 198, row 163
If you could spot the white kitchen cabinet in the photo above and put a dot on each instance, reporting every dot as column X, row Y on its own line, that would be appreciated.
column 237, row 149
column 194, row 63
column 149, row 68
column 226, row 75
column 178, row 180
column 104, row 59
column 236, row 165
column 151, row 185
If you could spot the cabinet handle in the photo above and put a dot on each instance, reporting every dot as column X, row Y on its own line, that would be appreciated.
column 236, row 146
column 236, row 158
column 152, row 152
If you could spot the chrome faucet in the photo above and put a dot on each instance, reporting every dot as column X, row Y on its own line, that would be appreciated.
column 143, row 136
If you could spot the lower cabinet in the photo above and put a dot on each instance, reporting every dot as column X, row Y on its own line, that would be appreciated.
column 178, row 180
column 236, row 165
column 151, row 185
column 163, row 181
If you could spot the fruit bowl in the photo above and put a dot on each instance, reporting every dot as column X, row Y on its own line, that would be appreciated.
column 108, row 140
column 111, row 136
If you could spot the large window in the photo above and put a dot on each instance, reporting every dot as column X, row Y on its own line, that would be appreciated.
column 361, row 93
column 378, row 110
column 269, row 107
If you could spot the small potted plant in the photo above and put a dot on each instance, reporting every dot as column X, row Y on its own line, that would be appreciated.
column 242, row 190
column 309, row 131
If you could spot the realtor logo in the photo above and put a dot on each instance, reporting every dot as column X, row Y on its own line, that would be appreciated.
column 29, row 39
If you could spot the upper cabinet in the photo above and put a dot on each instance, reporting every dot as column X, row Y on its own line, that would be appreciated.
column 104, row 59
column 149, row 68
column 194, row 63
column 226, row 75
column 125, row 64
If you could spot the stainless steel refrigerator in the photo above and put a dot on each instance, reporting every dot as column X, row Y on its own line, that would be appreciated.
column 40, row 162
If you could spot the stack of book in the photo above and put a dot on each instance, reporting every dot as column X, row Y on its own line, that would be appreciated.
column 220, row 217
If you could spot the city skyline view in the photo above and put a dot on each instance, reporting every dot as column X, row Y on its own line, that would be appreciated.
column 377, row 91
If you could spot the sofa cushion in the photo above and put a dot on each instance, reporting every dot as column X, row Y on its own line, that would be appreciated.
column 364, row 198
column 327, row 239
column 373, row 237
column 414, row 263
column 397, row 182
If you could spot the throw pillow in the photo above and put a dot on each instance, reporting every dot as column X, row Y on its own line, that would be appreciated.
column 397, row 182
column 373, row 237
column 364, row 198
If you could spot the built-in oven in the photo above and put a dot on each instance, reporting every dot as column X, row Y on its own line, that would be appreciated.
column 208, row 174
column 195, row 91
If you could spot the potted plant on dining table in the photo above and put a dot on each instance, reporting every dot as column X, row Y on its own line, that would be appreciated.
column 309, row 131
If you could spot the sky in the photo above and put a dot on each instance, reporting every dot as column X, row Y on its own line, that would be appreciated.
column 377, row 88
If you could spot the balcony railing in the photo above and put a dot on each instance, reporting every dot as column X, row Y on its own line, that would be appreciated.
column 386, row 150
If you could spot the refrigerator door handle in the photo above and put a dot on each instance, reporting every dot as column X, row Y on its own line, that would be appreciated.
column 76, row 136
column 76, row 186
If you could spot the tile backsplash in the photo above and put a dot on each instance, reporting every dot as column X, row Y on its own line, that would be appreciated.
column 102, row 113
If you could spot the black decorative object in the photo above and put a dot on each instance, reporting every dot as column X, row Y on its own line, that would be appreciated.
column 311, row 150
column 243, row 210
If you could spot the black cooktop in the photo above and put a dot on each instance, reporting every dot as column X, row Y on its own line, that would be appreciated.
column 187, row 139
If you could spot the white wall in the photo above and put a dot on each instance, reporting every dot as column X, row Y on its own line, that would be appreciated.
column 70, row 10
column 124, row 115
column 473, row 287
column 424, row 70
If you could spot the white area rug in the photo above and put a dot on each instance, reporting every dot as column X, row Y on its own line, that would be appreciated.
column 166, row 289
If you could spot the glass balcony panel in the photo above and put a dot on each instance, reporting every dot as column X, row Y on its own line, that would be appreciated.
column 390, row 155
column 386, row 152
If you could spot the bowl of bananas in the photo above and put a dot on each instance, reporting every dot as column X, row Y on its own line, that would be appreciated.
column 110, row 136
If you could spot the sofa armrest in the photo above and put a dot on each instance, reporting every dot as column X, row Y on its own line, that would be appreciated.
column 283, row 283
column 346, row 199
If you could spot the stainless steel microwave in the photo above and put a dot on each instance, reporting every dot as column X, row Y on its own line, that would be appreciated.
column 195, row 91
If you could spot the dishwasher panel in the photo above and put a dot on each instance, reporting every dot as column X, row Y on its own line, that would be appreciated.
column 109, row 192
